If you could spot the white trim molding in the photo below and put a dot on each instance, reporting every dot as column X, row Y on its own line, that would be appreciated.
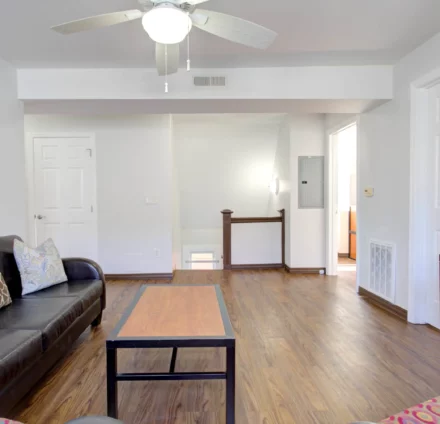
column 420, row 237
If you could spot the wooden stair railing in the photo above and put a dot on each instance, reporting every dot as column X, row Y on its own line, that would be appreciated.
column 228, row 220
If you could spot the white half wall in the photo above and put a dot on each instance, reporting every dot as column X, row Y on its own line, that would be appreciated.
column 12, row 169
column 134, row 162
column 258, row 243
column 307, row 226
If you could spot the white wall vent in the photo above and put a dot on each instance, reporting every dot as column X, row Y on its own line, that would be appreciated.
column 383, row 269
column 210, row 81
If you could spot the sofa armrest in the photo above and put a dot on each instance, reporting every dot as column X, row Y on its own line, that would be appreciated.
column 84, row 269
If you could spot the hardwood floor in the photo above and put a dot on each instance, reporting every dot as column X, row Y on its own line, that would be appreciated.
column 309, row 350
column 346, row 261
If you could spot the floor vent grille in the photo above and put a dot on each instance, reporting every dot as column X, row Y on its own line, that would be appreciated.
column 382, row 269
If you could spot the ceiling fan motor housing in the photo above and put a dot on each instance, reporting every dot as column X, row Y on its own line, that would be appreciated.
column 167, row 23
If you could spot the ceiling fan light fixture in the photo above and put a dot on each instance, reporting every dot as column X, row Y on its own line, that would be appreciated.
column 167, row 24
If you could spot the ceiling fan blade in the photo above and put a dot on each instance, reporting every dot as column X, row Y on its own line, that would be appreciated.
column 234, row 29
column 167, row 58
column 191, row 2
column 99, row 21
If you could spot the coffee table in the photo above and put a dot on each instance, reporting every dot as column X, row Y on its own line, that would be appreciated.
column 173, row 316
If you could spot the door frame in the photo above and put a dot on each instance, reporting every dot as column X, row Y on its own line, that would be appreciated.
column 420, row 238
column 30, row 176
column 331, row 195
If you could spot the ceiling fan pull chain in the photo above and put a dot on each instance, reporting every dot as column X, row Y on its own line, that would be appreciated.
column 166, row 68
column 188, row 62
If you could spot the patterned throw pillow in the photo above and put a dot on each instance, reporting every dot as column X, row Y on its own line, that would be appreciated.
column 5, row 297
column 39, row 268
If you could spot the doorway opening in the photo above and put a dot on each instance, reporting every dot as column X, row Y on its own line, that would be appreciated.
column 347, row 192
column 343, row 192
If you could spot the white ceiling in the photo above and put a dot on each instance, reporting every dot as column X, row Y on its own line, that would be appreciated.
column 310, row 32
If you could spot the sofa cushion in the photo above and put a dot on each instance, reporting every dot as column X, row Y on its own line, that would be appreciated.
column 88, row 291
column 5, row 297
column 52, row 316
column 8, row 266
column 40, row 267
column 18, row 350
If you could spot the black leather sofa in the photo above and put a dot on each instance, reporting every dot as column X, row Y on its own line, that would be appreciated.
column 36, row 330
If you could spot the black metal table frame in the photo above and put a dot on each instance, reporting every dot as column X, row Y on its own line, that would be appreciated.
column 227, row 341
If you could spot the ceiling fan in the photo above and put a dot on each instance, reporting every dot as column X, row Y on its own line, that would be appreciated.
column 168, row 22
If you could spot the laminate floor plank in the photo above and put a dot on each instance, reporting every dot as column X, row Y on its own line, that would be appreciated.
column 309, row 350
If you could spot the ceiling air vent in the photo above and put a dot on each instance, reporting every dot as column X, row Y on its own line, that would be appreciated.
column 210, row 81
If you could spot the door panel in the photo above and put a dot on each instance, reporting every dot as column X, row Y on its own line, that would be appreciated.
column 352, row 228
column 75, row 182
column 65, row 194
column 51, row 189
column 352, row 253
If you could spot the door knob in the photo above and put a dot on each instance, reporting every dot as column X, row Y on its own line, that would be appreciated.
column 40, row 216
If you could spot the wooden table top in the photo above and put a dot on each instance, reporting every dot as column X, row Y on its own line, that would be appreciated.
column 174, row 311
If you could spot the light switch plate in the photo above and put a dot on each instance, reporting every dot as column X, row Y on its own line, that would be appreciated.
column 369, row 192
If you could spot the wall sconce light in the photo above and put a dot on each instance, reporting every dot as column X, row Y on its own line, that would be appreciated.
column 275, row 186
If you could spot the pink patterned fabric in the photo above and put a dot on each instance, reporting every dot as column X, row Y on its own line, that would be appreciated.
column 5, row 421
column 424, row 413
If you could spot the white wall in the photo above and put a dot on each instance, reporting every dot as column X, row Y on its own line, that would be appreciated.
column 177, row 226
column 282, row 171
column 208, row 236
column 335, row 121
column 223, row 161
column 307, row 226
column 134, row 161
column 12, row 169
column 385, row 165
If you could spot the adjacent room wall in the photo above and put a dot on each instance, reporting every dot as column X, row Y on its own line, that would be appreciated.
column 307, row 226
column 134, row 162
column 12, row 169
column 282, row 171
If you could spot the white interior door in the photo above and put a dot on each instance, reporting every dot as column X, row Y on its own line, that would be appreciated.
column 434, row 219
column 65, row 194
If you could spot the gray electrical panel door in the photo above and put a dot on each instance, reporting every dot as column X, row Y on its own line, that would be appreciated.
column 311, row 182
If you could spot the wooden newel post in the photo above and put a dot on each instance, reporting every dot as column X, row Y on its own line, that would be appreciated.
column 283, row 235
column 227, row 219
